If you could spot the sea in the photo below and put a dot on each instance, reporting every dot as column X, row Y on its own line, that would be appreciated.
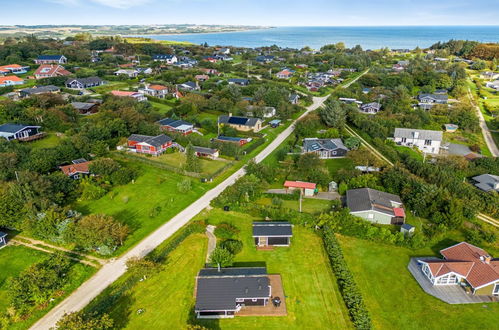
column 393, row 37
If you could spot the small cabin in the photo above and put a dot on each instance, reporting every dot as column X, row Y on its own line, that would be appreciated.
column 272, row 233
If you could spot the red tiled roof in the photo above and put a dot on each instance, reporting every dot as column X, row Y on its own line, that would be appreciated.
column 482, row 272
column 158, row 87
column 439, row 267
column 10, row 78
column 52, row 70
column 299, row 184
column 75, row 168
column 6, row 68
column 123, row 93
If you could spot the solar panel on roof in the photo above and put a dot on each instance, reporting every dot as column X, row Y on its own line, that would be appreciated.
column 237, row 120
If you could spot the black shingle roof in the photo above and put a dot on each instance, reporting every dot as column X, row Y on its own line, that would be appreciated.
column 365, row 199
column 13, row 128
column 218, row 291
column 272, row 228
column 155, row 141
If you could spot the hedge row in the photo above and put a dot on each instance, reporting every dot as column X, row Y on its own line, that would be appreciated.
column 346, row 283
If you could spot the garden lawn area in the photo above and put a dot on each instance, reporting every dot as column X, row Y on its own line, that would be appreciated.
column 314, row 206
column 177, row 159
column 49, row 141
column 133, row 204
column 394, row 298
column 161, row 107
column 110, row 86
column 15, row 259
column 334, row 165
column 168, row 300
column 312, row 297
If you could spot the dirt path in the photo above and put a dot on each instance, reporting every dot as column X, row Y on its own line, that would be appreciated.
column 487, row 136
column 212, row 241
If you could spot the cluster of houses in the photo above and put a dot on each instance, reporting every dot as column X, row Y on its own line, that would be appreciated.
column 317, row 80
column 370, row 108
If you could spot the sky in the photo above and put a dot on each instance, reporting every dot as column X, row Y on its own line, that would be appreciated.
column 251, row 12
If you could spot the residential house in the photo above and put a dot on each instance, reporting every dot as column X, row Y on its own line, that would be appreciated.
column 202, row 77
column 265, row 59
column 238, row 81
column 370, row 108
column 206, row 152
column 20, row 132
column 294, row 98
column 493, row 84
column 82, row 83
column 366, row 90
column 51, row 59
column 13, row 69
column 131, row 73
column 85, row 108
column 3, row 239
column 186, row 62
column 152, row 145
column 275, row 123
column 223, row 51
column 158, row 91
column 230, row 139
column 77, row 169
column 325, row 148
column 50, row 70
column 26, row 92
column 144, row 70
column 489, row 75
column 241, row 123
column 306, row 188
column 487, row 182
column 285, row 74
column 348, row 100
column 425, row 140
column 167, row 58
column 221, row 293
column 210, row 71
column 265, row 112
column 189, row 86
column 464, row 265
column 426, row 101
column 11, row 81
column 176, row 125
column 135, row 95
column 272, row 233
column 376, row 206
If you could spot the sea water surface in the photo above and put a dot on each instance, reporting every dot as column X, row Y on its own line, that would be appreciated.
column 367, row 37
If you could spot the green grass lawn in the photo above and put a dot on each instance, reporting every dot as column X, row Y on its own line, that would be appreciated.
column 334, row 165
column 177, row 159
column 49, row 141
column 314, row 206
column 161, row 107
column 394, row 298
column 133, row 203
column 312, row 297
column 106, row 88
column 15, row 259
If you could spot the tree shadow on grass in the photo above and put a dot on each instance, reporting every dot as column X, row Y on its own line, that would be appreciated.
column 442, row 244
column 250, row 264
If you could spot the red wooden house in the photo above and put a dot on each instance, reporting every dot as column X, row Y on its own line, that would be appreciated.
column 153, row 145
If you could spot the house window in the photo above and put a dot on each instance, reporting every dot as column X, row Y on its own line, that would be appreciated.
column 254, row 300
column 496, row 290
column 427, row 142
column 404, row 140
column 239, row 299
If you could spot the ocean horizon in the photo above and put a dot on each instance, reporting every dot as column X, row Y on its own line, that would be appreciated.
column 369, row 37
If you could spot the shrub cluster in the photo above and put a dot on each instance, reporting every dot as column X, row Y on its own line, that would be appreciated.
column 348, row 288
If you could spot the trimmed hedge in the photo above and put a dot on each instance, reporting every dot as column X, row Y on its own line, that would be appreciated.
column 346, row 283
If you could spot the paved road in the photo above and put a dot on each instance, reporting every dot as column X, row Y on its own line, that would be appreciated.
column 117, row 267
column 487, row 136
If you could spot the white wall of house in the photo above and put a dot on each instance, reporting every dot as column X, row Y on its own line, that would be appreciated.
column 427, row 146
column 374, row 217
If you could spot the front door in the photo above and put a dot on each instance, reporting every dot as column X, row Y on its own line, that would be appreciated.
column 262, row 241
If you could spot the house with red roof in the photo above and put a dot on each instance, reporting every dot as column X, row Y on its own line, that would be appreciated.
column 78, row 169
column 13, row 69
column 152, row 145
column 307, row 188
column 134, row 95
column 464, row 265
column 50, row 70
column 285, row 74
column 10, row 81
column 158, row 91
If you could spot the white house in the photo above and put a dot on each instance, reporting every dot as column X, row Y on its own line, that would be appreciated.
column 127, row 72
column 167, row 58
column 425, row 140
column 493, row 84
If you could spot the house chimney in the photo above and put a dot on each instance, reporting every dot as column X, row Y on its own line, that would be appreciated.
column 230, row 114
column 487, row 259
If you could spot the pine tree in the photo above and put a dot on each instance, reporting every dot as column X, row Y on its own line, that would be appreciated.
column 192, row 162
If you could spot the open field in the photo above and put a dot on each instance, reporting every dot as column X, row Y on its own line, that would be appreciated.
column 334, row 165
column 394, row 298
column 49, row 141
column 314, row 206
column 15, row 259
column 312, row 297
column 134, row 203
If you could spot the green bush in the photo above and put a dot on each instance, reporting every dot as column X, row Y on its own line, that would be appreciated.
column 234, row 246
column 346, row 283
column 226, row 231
